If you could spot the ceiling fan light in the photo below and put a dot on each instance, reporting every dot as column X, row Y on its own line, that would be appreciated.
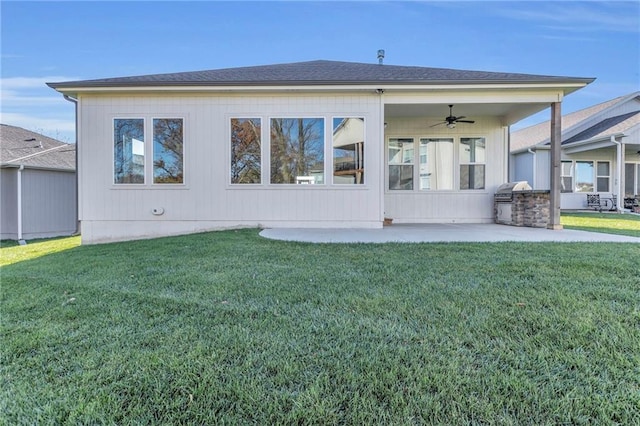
column 451, row 125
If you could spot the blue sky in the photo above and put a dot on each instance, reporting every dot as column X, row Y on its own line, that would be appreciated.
column 58, row 41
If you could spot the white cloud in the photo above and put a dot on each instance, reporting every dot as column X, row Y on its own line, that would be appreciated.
column 577, row 16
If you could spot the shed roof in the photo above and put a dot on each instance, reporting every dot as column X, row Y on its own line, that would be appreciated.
column 320, row 72
column 19, row 146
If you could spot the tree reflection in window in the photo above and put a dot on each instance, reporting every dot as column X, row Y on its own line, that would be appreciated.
column 297, row 150
column 128, row 141
column 348, row 150
column 245, row 150
column 168, row 146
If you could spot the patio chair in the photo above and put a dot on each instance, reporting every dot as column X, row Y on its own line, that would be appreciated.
column 593, row 201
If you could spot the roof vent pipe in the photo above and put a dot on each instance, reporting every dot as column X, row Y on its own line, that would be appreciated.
column 380, row 56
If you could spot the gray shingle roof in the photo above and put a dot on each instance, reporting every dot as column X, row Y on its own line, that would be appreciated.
column 319, row 72
column 607, row 126
column 19, row 146
column 539, row 134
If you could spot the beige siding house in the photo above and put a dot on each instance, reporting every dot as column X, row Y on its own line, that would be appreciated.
column 38, row 185
column 313, row 144
column 600, row 154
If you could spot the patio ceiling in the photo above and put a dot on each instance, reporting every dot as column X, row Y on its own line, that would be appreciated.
column 508, row 112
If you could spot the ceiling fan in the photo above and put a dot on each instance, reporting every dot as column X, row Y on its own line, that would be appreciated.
column 452, row 120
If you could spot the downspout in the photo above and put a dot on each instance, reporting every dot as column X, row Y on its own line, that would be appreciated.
column 620, row 200
column 21, row 241
column 535, row 166
column 75, row 103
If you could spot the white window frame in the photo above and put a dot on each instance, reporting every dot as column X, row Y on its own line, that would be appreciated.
column 148, row 179
column 416, row 163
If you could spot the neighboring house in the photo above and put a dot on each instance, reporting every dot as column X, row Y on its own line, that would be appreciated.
column 596, row 142
column 37, row 185
column 309, row 144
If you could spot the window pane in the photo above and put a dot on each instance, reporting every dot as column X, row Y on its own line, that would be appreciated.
column 436, row 164
column 348, row 150
column 297, row 150
column 472, row 150
column 603, row 184
column 584, row 176
column 245, row 150
column 472, row 176
column 603, row 168
column 400, row 177
column 566, row 168
column 167, row 150
column 401, row 151
column 567, row 184
column 128, row 141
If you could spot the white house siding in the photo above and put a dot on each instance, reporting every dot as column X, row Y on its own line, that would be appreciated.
column 207, row 200
column 48, row 203
column 522, row 168
column 533, row 168
column 468, row 206
column 8, row 200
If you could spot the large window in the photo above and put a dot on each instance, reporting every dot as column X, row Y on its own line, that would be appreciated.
column 168, row 145
column 401, row 162
column 436, row 164
column 348, row 150
column 128, row 144
column 584, row 176
column 245, row 150
column 472, row 159
column 130, row 161
column 297, row 150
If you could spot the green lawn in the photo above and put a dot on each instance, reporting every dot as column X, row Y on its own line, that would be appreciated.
column 230, row 328
column 608, row 223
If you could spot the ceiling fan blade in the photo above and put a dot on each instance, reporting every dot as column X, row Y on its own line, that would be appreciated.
column 465, row 121
column 438, row 124
column 458, row 118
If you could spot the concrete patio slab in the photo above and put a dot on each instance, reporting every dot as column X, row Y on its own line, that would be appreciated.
column 419, row 233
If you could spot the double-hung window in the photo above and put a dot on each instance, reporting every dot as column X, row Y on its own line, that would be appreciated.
column 472, row 163
column 602, row 177
column 436, row 164
column 566, row 176
column 401, row 161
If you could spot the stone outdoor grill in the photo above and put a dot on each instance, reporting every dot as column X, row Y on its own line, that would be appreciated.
column 516, row 204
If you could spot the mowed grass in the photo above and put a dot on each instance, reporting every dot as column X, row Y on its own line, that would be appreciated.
column 230, row 328
column 608, row 223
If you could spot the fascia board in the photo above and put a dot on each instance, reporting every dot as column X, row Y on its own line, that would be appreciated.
column 374, row 88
